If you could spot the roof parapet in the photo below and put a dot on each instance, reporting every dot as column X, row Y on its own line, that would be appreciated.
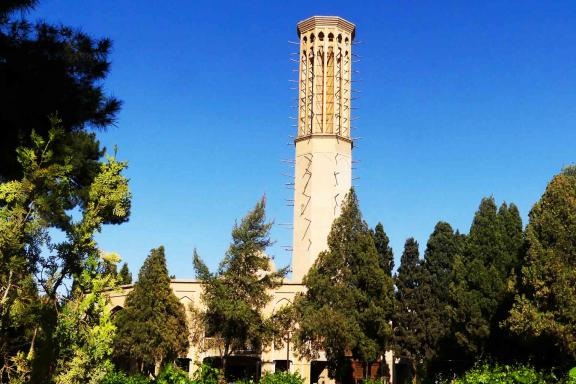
column 325, row 21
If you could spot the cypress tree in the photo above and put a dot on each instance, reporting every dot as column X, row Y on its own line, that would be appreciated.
column 385, row 254
column 152, row 328
column 237, row 293
column 124, row 276
column 479, row 289
column 410, row 333
column 349, row 300
column 442, row 248
column 544, row 309
column 511, row 230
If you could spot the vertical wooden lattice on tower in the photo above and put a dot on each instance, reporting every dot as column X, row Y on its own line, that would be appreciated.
column 323, row 164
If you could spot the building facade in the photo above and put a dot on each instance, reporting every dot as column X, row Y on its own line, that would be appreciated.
column 322, row 177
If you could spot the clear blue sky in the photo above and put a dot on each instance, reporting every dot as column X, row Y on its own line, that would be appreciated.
column 460, row 100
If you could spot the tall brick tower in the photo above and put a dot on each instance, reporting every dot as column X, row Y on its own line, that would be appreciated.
column 323, row 163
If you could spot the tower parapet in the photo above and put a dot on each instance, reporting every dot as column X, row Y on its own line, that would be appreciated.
column 323, row 163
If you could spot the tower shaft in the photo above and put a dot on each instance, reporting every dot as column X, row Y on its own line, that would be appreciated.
column 323, row 164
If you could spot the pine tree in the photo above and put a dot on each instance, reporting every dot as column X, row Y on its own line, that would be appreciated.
column 152, row 327
column 544, row 310
column 49, row 69
column 124, row 276
column 385, row 253
column 237, row 293
column 349, row 300
column 410, row 320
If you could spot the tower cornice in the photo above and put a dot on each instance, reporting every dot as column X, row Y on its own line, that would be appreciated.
column 323, row 135
column 326, row 21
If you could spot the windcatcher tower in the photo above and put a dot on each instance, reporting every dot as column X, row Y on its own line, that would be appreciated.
column 323, row 164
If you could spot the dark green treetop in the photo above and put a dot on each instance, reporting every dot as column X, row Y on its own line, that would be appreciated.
column 124, row 276
column 349, row 300
column 48, row 69
column 152, row 328
column 544, row 309
column 422, row 328
column 511, row 233
column 385, row 254
column 479, row 288
column 236, row 294
column 411, row 317
column 408, row 277
column 442, row 248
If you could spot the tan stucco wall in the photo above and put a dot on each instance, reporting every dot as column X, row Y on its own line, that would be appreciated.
column 323, row 176
column 189, row 292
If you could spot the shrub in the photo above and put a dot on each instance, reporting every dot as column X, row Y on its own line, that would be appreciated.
column 205, row 374
column 504, row 374
column 244, row 381
column 281, row 378
column 173, row 375
column 122, row 378
column 571, row 377
column 381, row 380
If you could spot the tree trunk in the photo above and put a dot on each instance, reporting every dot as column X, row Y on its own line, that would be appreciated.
column 415, row 373
column 157, row 366
column 5, row 295
column 288, row 353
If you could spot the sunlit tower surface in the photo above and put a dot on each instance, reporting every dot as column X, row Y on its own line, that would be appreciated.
column 323, row 163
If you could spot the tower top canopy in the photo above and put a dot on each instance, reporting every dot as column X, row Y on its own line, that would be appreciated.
column 326, row 21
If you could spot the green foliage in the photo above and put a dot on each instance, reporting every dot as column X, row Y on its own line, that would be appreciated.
column 376, row 381
column 349, row 299
column 170, row 374
column 31, row 210
column 124, row 276
column 442, row 248
column 498, row 374
column 283, row 325
column 244, row 381
column 152, row 328
column 85, row 330
column 411, row 317
column 205, row 374
column 281, row 378
column 237, row 293
column 480, row 276
column 46, row 69
column 173, row 375
column 122, row 378
column 571, row 375
column 385, row 254
column 544, row 310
